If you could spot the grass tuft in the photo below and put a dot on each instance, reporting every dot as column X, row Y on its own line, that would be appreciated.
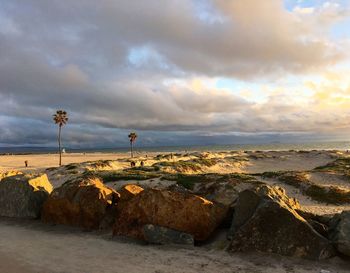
column 332, row 195
column 129, row 174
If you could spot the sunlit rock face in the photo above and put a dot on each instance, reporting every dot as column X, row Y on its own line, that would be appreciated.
column 83, row 202
column 129, row 191
column 187, row 213
column 250, row 199
column 340, row 232
column 9, row 173
column 23, row 195
column 265, row 220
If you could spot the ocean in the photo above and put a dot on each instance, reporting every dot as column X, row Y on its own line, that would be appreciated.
column 341, row 145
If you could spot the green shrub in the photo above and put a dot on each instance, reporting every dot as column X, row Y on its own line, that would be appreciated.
column 332, row 195
column 271, row 174
column 71, row 166
column 110, row 176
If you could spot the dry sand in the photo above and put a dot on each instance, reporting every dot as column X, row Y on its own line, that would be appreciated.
column 29, row 246
column 43, row 161
column 306, row 202
column 269, row 161
column 288, row 161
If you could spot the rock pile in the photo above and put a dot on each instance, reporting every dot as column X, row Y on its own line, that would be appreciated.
column 264, row 218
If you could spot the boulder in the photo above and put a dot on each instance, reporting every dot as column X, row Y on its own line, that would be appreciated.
column 84, row 202
column 23, row 195
column 249, row 200
column 187, row 213
column 224, row 189
column 340, row 232
column 223, row 192
column 129, row 191
column 166, row 236
column 126, row 193
column 265, row 220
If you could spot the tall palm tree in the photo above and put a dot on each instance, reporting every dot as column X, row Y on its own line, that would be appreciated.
column 132, row 137
column 61, row 119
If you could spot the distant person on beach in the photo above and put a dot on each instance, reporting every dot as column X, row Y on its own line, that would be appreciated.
column 142, row 163
column 26, row 163
column 132, row 164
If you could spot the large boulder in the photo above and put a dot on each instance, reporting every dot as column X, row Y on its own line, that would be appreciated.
column 340, row 232
column 265, row 220
column 83, row 202
column 187, row 213
column 250, row 199
column 23, row 195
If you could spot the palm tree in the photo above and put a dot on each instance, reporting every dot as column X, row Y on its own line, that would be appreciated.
column 132, row 137
column 61, row 119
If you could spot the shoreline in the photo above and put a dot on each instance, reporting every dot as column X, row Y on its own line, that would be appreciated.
column 275, row 146
column 174, row 151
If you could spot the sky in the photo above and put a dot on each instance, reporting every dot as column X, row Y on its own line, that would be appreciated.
column 178, row 72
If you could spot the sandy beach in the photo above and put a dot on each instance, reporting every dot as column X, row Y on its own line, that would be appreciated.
column 43, row 161
column 226, row 162
column 272, row 161
column 31, row 246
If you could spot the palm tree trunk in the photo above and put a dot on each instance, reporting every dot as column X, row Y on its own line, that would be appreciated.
column 131, row 152
column 59, row 145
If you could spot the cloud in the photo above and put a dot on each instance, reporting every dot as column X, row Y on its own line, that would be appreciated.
column 154, row 66
column 249, row 41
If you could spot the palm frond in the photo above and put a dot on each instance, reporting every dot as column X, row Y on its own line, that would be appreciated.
column 60, row 117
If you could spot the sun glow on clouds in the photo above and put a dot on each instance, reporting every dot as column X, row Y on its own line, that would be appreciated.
column 332, row 93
